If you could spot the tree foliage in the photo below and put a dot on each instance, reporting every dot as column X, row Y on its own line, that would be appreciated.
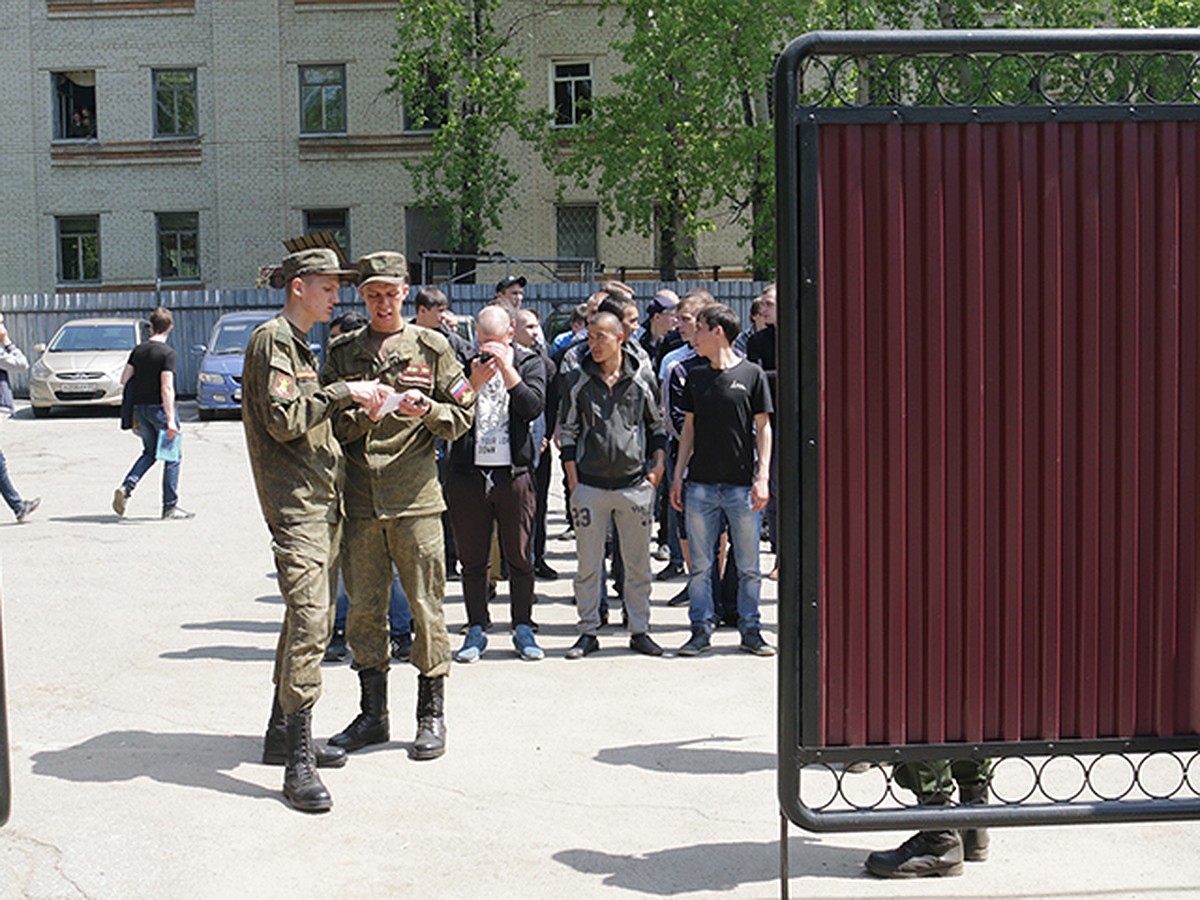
column 456, row 75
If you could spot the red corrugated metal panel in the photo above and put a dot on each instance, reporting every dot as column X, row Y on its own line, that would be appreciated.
column 1010, row 431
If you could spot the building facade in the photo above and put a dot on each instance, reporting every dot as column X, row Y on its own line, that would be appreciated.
column 177, row 142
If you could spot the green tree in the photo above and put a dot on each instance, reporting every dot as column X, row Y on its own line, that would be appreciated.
column 456, row 75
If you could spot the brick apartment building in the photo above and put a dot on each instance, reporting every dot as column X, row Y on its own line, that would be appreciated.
column 179, row 141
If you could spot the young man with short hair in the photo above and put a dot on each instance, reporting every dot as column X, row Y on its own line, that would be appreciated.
column 725, row 453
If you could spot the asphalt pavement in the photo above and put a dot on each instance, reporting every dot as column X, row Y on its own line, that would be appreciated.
column 138, row 659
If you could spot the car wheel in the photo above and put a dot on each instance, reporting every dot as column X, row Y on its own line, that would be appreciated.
column 207, row 415
column 40, row 412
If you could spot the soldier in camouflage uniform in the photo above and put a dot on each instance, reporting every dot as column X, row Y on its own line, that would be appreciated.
column 297, row 467
column 393, row 499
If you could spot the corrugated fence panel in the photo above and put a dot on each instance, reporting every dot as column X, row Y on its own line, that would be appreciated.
column 33, row 318
column 1010, row 457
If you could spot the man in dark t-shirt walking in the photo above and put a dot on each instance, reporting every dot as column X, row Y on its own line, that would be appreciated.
column 151, row 368
column 725, row 451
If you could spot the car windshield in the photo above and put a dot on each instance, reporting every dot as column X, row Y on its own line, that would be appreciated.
column 232, row 337
column 76, row 338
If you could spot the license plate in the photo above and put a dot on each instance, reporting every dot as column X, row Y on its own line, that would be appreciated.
column 78, row 387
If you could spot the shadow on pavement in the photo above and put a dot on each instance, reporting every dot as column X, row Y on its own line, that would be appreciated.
column 706, row 868
column 249, row 626
column 223, row 651
column 685, row 758
column 188, row 760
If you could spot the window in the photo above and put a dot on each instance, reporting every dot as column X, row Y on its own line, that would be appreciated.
column 78, row 249
column 175, row 103
column 426, row 106
column 179, row 246
column 74, row 104
column 572, row 93
column 426, row 231
column 322, row 99
column 576, row 230
column 335, row 221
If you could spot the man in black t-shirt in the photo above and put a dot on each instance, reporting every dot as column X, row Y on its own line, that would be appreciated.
column 725, row 451
column 151, row 368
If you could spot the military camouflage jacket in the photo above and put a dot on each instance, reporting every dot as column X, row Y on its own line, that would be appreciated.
column 287, row 416
column 391, row 465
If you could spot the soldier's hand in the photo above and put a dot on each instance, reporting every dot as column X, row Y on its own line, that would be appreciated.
column 363, row 392
column 413, row 403
column 375, row 410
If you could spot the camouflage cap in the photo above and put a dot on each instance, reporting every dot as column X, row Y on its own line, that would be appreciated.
column 386, row 265
column 318, row 261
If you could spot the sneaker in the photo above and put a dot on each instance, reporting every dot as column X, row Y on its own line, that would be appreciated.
column 473, row 646
column 663, row 553
column 680, row 599
column 752, row 642
column 643, row 643
column 120, row 495
column 697, row 644
column 177, row 512
column 925, row 853
column 586, row 645
column 402, row 647
column 337, row 650
column 467, row 626
column 669, row 571
column 545, row 571
column 27, row 508
column 568, row 535
column 525, row 644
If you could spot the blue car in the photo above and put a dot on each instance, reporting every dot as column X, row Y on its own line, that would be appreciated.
column 219, row 382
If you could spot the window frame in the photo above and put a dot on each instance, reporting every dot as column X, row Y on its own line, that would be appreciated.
column 61, row 115
column 176, row 94
column 178, row 234
column 318, row 211
column 430, row 88
column 79, row 254
column 559, row 209
column 323, row 87
column 570, row 81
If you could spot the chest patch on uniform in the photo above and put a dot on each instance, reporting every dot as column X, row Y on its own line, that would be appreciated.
column 306, row 375
column 283, row 386
column 417, row 375
column 462, row 393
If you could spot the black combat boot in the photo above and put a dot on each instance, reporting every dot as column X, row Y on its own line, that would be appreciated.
column 975, row 840
column 430, row 742
column 371, row 725
column 301, row 784
column 275, row 744
column 925, row 853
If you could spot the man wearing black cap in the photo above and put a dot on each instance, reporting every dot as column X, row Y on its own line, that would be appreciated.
column 510, row 291
column 297, row 466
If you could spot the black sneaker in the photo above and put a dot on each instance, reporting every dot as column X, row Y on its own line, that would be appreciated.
column 669, row 571
column 643, row 643
column 680, row 599
column 545, row 571
column 699, row 643
column 586, row 645
column 752, row 642
column 402, row 647
column 337, row 650
column 27, row 508
column 925, row 853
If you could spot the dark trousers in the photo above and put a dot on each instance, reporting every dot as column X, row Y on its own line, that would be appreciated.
column 476, row 499
column 541, row 479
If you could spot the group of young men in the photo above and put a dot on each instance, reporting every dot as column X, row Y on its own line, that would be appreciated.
column 346, row 466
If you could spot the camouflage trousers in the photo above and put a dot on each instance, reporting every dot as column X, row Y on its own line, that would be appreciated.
column 305, row 561
column 416, row 546
column 934, row 777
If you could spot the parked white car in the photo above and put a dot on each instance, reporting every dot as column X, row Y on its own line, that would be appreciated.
column 82, row 364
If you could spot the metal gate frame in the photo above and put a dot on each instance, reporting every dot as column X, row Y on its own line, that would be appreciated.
column 843, row 57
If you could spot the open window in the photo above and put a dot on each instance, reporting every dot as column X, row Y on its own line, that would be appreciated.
column 74, row 104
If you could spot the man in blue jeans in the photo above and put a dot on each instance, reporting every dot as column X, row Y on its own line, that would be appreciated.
column 151, row 367
column 725, row 452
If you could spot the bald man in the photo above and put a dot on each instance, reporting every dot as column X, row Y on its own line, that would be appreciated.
column 490, row 478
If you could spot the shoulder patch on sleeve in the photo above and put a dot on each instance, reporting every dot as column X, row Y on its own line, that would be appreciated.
column 462, row 393
column 283, row 386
